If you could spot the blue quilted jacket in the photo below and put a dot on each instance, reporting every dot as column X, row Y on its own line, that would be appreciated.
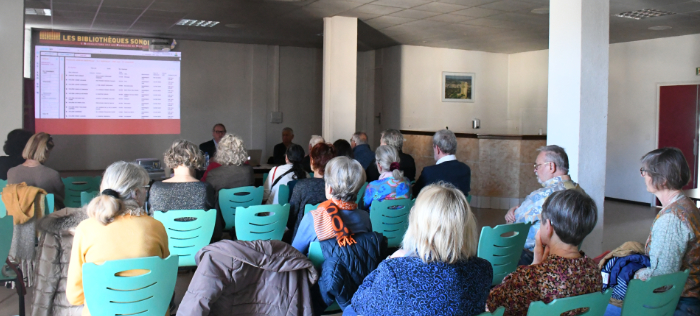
column 346, row 267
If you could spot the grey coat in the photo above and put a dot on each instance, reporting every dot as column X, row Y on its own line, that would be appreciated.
column 261, row 277
column 52, row 258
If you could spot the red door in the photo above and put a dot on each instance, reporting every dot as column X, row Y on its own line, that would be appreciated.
column 678, row 123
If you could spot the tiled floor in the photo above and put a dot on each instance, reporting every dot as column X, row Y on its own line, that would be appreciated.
column 623, row 222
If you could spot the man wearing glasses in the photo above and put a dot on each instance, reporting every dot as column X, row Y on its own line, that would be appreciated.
column 552, row 171
column 209, row 147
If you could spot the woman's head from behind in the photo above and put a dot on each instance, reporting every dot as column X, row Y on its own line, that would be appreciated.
column 231, row 151
column 387, row 157
column 16, row 141
column 344, row 178
column 570, row 214
column 295, row 153
column 320, row 155
column 184, row 153
column 123, row 191
column 343, row 148
column 665, row 169
column 38, row 147
column 441, row 226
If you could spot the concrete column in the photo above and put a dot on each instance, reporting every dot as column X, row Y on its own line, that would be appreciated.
column 11, row 64
column 577, row 113
column 339, row 77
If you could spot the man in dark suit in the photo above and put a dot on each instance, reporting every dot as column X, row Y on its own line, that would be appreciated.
column 363, row 153
column 218, row 131
column 279, row 152
column 392, row 137
column 446, row 167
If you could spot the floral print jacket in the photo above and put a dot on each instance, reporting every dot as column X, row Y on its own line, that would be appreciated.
column 387, row 189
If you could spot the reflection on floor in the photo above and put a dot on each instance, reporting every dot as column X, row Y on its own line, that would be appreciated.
column 623, row 222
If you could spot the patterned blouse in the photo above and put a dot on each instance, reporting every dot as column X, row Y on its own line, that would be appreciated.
column 556, row 277
column 387, row 188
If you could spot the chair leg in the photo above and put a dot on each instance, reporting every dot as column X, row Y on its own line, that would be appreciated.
column 19, row 285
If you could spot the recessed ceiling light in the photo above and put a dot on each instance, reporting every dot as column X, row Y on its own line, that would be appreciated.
column 643, row 14
column 540, row 11
column 200, row 23
column 33, row 11
column 660, row 28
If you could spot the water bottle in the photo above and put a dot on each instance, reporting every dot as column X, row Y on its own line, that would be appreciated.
column 206, row 158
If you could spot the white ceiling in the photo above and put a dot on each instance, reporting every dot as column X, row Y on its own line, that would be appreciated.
column 503, row 26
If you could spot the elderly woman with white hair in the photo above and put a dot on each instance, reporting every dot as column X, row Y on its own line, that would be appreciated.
column 338, row 217
column 233, row 171
column 118, row 227
column 436, row 270
column 392, row 185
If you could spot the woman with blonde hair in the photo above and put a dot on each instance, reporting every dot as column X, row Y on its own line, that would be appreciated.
column 233, row 172
column 392, row 185
column 436, row 269
column 34, row 173
column 118, row 227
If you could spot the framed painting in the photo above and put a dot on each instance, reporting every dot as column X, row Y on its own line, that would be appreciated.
column 457, row 87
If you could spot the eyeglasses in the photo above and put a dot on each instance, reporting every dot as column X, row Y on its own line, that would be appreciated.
column 537, row 165
column 644, row 172
column 220, row 132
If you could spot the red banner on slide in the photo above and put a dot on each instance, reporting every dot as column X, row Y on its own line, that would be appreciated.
column 106, row 126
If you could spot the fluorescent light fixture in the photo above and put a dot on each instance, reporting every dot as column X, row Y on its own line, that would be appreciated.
column 643, row 14
column 33, row 11
column 200, row 23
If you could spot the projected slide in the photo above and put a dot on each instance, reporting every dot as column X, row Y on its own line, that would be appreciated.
column 106, row 91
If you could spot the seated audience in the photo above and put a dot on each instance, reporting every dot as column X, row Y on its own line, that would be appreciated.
column 34, row 173
column 210, row 147
column 338, row 216
column 343, row 148
column 392, row 185
column 183, row 191
column 118, row 227
column 315, row 139
column 310, row 191
column 16, row 140
column 281, row 175
column 446, row 167
column 394, row 138
column 281, row 149
column 436, row 269
column 551, row 170
column 361, row 149
column 559, row 269
column 233, row 172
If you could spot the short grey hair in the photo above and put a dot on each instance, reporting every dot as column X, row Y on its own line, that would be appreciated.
column 231, row 151
column 393, row 138
column 288, row 129
column 359, row 138
column 315, row 139
column 345, row 176
column 556, row 155
column 446, row 141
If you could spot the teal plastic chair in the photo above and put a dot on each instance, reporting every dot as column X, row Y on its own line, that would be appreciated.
column 390, row 218
column 3, row 184
column 311, row 175
column 3, row 212
column 498, row 312
column 87, row 196
column 361, row 193
column 261, row 222
column 75, row 185
column 230, row 199
column 595, row 302
column 186, row 238
column 310, row 207
column 265, row 177
column 49, row 204
column 6, row 230
column 317, row 259
column 283, row 194
column 502, row 252
column 641, row 299
column 148, row 294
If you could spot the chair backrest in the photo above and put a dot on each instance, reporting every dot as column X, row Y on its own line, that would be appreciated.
column 87, row 196
column 49, row 203
column 310, row 207
column 361, row 193
column 315, row 254
column 261, row 222
column 498, row 312
column 265, row 177
column 148, row 294
column 291, row 185
column 390, row 218
column 640, row 298
column 311, row 175
column 230, row 199
column 75, row 185
column 595, row 302
column 283, row 194
column 186, row 238
column 3, row 209
column 3, row 184
column 502, row 252
column 6, row 229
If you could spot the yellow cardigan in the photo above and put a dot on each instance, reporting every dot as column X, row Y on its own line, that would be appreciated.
column 126, row 237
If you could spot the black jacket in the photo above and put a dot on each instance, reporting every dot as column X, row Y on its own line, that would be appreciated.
column 455, row 172
column 208, row 148
column 407, row 165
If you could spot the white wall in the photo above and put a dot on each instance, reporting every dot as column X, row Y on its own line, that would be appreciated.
column 527, row 92
column 12, row 35
column 411, row 79
column 221, row 83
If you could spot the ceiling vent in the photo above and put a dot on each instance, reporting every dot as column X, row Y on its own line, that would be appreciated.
column 643, row 14
column 200, row 23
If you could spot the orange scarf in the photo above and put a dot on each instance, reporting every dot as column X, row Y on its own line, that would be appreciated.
column 328, row 224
